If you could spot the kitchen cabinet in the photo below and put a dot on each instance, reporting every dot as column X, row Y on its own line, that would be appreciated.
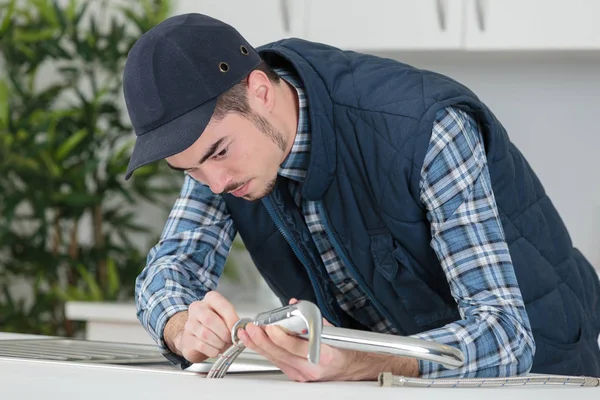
column 260, row 21
column 419, row 25
column 532, row 25
column 385, row 25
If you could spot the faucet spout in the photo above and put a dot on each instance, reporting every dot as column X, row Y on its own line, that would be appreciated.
column 303, row 319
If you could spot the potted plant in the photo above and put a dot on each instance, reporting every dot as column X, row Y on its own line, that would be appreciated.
column 70, row 227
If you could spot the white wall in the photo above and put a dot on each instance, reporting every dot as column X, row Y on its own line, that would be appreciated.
column 550, row 105
column 548, row 102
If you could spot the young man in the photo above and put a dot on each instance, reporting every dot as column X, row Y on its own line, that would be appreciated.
column 389, row 196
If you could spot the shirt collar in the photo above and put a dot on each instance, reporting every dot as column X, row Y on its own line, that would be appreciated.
column 295, row 164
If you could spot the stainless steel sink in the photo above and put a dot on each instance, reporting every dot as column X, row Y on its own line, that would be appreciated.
column 121, row 355
column 85, row 351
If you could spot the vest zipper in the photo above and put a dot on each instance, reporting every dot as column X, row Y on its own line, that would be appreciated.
column 350, row 267
column 318, row 292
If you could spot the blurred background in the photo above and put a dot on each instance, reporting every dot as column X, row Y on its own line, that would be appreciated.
column 74, row 235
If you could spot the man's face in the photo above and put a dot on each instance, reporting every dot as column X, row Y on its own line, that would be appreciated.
column 238, row 155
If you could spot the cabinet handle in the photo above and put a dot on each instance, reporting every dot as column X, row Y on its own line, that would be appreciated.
column 441, row 13
column 285, row 14
column 479, row 10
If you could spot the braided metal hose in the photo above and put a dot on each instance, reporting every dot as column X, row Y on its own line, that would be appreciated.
column 388, row 379
column 220, row 367
column 224, row 361
column 366, row 341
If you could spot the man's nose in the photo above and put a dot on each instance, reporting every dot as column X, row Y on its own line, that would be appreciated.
column 218, row 180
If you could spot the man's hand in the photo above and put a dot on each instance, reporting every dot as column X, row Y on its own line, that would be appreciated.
column 289, row 354
column 204, row 330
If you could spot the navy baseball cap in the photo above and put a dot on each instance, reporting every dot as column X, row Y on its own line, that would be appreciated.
column 173, row 77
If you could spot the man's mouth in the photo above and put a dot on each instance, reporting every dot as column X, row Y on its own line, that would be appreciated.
column 240, row 191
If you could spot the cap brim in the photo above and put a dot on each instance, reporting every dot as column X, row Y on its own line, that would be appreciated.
column 171, row 138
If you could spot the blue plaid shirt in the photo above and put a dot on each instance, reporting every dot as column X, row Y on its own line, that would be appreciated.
column 467, row 238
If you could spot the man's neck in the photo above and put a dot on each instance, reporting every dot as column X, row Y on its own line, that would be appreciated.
column 290, row 114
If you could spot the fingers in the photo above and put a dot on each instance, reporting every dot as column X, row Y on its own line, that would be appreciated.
column 293, row 345
column 222, row 307
column 208, row 327
column 291, row 359
column 296, row 346
column 215, row 336
column 257, row 340
column 195, row 350
column 291, row 371
column 264, row 345
column 209, row 320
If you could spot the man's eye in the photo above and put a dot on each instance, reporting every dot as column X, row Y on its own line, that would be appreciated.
column 222, row 153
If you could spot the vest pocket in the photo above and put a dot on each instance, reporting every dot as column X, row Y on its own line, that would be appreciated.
column 422, row 302
column 552, row 357
column 381, row 250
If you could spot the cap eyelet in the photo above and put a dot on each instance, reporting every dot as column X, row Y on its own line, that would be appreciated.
column 244, row 50
column 223, row 67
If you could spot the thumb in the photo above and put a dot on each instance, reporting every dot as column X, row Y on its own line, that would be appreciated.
column 293, row 301
column 327, row 323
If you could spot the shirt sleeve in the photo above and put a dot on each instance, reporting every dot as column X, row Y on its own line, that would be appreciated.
column 187, row 261
column 494, row 333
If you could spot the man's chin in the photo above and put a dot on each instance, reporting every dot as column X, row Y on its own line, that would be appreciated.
column 252, row 198
column 267, row 191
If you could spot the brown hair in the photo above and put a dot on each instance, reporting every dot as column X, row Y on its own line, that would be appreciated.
column 235, row 101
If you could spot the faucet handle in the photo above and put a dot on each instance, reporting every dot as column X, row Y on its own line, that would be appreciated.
column 301, row 318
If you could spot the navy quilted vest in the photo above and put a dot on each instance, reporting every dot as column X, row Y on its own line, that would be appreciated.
column 371, row 122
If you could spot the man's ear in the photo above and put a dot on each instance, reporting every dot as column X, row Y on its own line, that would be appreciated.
column 261, row 89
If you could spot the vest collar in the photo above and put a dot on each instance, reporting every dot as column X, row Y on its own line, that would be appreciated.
column 322, row 165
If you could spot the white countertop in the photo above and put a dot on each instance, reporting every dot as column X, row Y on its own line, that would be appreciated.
column 22, row 379
column 126, row 312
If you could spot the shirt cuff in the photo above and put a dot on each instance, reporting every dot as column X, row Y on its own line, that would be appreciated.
column 430, row 369
column 155, row 319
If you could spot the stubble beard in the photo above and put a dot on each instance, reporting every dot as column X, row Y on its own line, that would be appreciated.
column 277, row 137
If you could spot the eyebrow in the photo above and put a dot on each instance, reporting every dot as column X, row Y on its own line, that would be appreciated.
column 215, row 146
column 212, row 150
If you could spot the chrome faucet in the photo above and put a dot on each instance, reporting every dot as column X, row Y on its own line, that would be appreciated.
column 304, row 319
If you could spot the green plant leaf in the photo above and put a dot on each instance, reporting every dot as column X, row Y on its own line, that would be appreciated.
column 62, row 294
column 133, row 17
column 94, row 288
column 163, row 10
column 50, row 169
column 27, row 52
column 10, row 9
column 125, row 193
column 80, row 12
column 145, row 171
column 113, row 281
column 50, row 164
column 60, row 15
column 40, row 35
column 78, row 199
column 70, row 9
column 148, row 8
column 46, row 10
column 4, row 107
column 65, row 149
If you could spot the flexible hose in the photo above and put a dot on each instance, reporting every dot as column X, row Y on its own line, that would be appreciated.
column 220, row 367
column 378, row 343
column 388, row 379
